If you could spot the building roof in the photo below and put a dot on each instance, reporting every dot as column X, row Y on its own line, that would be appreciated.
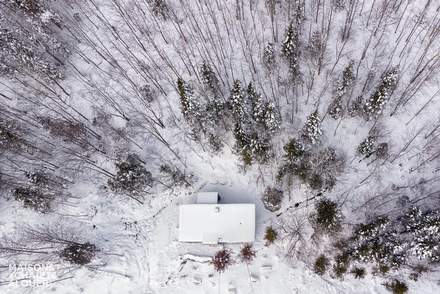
column 214, row 223
column 207, row 198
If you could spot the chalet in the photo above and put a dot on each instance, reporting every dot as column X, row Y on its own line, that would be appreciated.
column 210, row 222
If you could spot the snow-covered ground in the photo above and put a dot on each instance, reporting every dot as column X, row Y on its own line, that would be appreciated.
column 118, row 47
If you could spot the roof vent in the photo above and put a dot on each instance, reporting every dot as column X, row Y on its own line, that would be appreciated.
column 217, row 209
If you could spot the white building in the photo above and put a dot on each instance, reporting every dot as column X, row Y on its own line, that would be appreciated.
column 209, row 222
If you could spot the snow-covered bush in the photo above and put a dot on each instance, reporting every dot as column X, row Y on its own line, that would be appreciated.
column 367, row 146
column 222, row 260
column 175, row 175
column 321, row 265
column 358, row 272
column 272, row 199
column 34, row 199
column 396, row 287
column 31, row 7
column 77, row 253
column 131, row 178
column 373, row 228
column 327, row 216
column 147, row 93
column 311, row 130
column 209, row 78
column 38, row 178
column 294, row 151
column 159, row 8
column 9, row 140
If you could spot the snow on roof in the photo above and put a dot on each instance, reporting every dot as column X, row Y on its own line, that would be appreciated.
column 213, row 223
column 207, row 198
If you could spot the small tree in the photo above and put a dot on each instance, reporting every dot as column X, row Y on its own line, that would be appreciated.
column 131, row 178
column 77, row 253
column 269, row 56
column 272, row 199
column 270, row 236
column 367, row 146
column 222, row 260
column 358, row 272
column 209, row 78
column 328, row 216
column 321, row 266
column 247, row 254
column 373, row 107
column 311, row 130
column 396, row 287
column 177, row 177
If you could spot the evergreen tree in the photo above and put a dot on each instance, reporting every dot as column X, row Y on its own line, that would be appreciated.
column 188, row 103
column 311, row 130
column 373, row 107
column 347, row 80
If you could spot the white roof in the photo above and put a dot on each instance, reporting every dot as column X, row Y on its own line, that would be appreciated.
column 233, row 223
column 207, row 197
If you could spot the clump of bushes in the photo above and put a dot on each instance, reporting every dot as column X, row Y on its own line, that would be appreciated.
column 77, row 253
column 316, row 168
column 34, row 199
column 131, row 178
column 321, row 266
column 272, row 199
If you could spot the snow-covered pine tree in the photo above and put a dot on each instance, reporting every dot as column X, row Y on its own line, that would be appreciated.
column 291, row 50
column 209, row 78
column 347, row 80
column 373, row 107
column 269, row 56
column 188, row 103
column 367, row 146
column 237, row 101
column 256, row 102
column 311, row 130
column 263, row 112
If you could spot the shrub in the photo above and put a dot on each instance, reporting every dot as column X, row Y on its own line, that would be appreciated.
column 358, row 272
column 294, row 151
column 396, row 287
column 222, row 260
column 77, row 253
column 270, row 236
column 176, row 176
column 321, row 265
column 33, row 199
column 38, row 177
column 272, row 199
column 367, row 146
column 339, row 271
column 328, row 216
column 131, row 177
column 246, row 253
